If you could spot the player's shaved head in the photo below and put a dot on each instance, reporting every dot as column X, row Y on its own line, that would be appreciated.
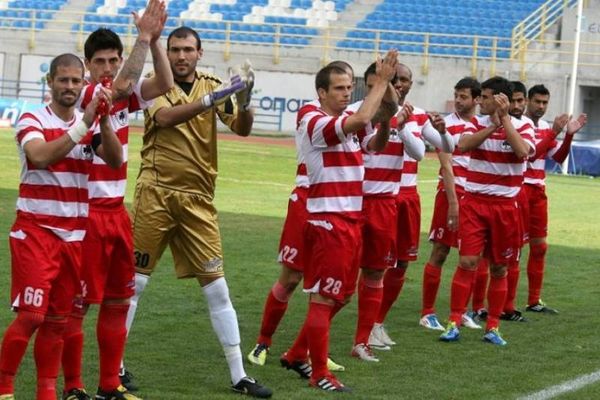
column 65, row 60
column 404, row 67
column 182, row 32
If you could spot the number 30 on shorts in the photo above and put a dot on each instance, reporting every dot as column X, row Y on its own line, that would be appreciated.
column 332, row 286
column 33, row 297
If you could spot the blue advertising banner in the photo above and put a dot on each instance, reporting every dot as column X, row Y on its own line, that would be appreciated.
column 11, row 110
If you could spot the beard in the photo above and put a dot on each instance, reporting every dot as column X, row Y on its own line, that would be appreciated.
column 60, row 99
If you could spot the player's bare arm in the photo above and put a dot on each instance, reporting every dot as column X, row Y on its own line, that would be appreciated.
column 574, row 125
column 386, row 69
column 435, row 133
column 559, row 123
column 147, row 25
column 42, row 153
column 379, row 141
column 388, row 107
column 162, row 80
column 519, row 146
column 242, row 126
column 450, row 189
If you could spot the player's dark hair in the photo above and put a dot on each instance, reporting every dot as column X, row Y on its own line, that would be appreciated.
column 538, row 89
column 323, row 78
column 519, row 87
column 371, row 70
column 469, row 83
column 65, row 60
column 181, row 33
column 342, row 64
column 102, row 39
column 498, row 85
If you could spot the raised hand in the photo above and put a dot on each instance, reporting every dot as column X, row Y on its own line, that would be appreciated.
column 438, row 122
column 246, row 73
column 502, row 104
column 151, row 24
column 560, row 122
column 574, row 125
column 404, row 114
column 223, row 92
column 386, row 67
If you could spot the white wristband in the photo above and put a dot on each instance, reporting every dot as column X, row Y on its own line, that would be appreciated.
column 77, row 132
column 206, row 101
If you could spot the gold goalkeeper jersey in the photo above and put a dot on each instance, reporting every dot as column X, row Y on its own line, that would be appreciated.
column 184, row 157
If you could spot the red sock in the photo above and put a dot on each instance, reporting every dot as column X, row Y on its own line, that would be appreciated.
column 369, row 301
column 275, row 307
column 496, row 298
column 318, row 323
column 392, row 286
column 459, row 293
column 299, row 350
column 431, row 283
column 47, row 352
column 481, row 283
column 14, row 345
column 535, row 271
column 111, row 333
column 512, row 281
column 336, row 309
column 73, row 352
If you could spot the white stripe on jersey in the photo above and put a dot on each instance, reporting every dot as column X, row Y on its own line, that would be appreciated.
column 334, row 204
column 106, row 189
column 63, row 179
column 69, row 209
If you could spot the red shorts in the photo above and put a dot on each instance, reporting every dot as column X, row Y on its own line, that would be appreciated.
column 489, row 226
column 291, row 245
column 379, row 236
column 523, row 204
column 439, row 231
column 332, row 264
column 408, row 204
column 108, row 266
column 538, row 211
column 45, row 270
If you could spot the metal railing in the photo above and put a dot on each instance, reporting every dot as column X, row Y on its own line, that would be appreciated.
column 281, row 41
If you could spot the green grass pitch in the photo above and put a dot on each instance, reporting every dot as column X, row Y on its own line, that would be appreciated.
column 175, row 355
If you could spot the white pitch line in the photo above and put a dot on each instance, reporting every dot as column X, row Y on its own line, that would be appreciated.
column 265, row 183
column 565, row 387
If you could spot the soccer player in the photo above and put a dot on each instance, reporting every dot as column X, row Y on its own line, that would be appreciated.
column 445, row 219
column 175, row 188
column 108, row 246
column 431, row 127
column 488, row 210
column 52, row 209
column 291, row 248
column 331, row 142
column 535, row 186
column 381, row 185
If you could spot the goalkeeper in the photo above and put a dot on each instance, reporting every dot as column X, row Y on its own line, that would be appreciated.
column 173, row 201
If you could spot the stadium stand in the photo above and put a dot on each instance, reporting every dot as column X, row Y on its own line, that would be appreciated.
column 409, row 25
column 25, row 14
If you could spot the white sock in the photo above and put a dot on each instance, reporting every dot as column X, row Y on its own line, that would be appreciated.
column 140, row 284
column 225, row 324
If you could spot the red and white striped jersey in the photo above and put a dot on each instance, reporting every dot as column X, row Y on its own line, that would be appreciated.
column 455, row 126
column 55, row 197
column 107, row 185
column 383, row 170
column 301, row 175
column 494, row 168
column 420, row 126
column 535, row 173
column 334, row 164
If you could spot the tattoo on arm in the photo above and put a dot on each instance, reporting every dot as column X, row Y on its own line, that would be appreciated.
column 132, row 70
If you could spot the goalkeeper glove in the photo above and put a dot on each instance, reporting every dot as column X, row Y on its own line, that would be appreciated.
column 223, row 92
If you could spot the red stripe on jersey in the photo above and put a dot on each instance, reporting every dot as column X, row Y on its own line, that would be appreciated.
column 342, row 159
column 67, row 223
column 305, row 109
column 23, row 132
column 535, row 173
column 301, row 170
column 88, row 95
column 102, row 172
column 383, row 174
column 30, row 116
column 106, row 202
column 65, row 165
column 483, row 178
column 420, row 119
column 393, row 149
column 54, row 193
column 134, row 104
column 410, row 167
column 329, row 134
column 496, row 156
column 335, row 189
